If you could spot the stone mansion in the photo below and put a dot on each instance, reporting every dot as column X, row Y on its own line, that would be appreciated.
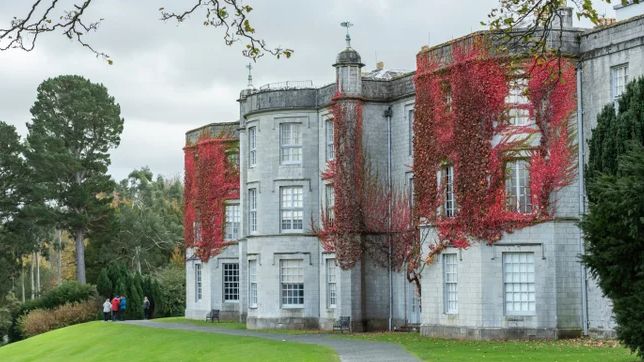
column 274, row 272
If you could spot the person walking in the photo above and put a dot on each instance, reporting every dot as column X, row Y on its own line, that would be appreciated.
column 122, row 307
column 107, row 308
column 146, row 308
column 115, row 307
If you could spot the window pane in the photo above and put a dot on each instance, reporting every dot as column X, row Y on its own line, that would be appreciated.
column 292, row 282
column 518, row 280
column 450, row 293
column 231, row 281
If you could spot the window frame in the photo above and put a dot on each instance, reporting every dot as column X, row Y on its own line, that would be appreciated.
column 232, row 222
column 530, row 284
column 293, row 209
column 291, row 290
column 331, row 283
column 411, row 116
column 252, row 210
column 292, row 145
column 230, row 287
column 329, row 143
column 615, row 94
column 448, row 207
column 513, row 192
column 450, row 287
column 518, row 101
column 198, row 282
column 329, row 201
column 252, row 283
column 252, row 146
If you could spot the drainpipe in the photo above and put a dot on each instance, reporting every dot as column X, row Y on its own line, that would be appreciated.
column 388, row 114
column 582, row 199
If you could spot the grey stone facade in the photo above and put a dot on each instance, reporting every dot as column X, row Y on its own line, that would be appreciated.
column 567, row 304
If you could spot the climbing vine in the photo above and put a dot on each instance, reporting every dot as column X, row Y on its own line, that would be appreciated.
column 368, row 217
column 210, row 180
column 462, row 119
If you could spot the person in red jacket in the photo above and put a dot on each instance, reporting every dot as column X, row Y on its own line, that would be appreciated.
column 115, row 307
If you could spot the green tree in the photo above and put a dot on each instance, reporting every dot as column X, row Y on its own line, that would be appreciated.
column 614, row 232
column 614, row 226
column 74, row 125
column 146, row 228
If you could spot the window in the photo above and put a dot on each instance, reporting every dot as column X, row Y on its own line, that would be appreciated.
column 517, row 98
column 231, row 229
column 518, row 283
column 292, row 283
column 196, row 231
column 619, row 78
column 410, row 132
column 517, row 186
column 411, row 192
column 449, row 200
column 291, row 208
column 252, row 210
column 330, row 151
column 450, row 279
column 252, row 146
column 329, row 200
column 330, row 283
column 197, row 282
column 252, row 283
column 290, row 143
column 231, row 282
column 233, row 159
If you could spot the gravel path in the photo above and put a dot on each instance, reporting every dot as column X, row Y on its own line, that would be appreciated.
column 349, row 350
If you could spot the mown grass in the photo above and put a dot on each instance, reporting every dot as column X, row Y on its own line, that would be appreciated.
column 100, row 341
column 203, row 323
column 433, row 349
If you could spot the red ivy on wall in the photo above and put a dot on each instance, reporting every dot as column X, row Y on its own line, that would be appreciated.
column 210, row 180
column 462, row 119
column 361, row 219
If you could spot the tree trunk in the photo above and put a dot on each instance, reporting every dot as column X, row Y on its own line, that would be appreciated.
column 37, row 274
column 22, row 283
column 33, row 284
column 59, row 257
column 80, row 256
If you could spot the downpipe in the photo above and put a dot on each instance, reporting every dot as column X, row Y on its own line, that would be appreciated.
column 582, row 200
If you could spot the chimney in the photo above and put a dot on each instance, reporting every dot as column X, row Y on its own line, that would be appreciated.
column 563, row 17
column 380, row 65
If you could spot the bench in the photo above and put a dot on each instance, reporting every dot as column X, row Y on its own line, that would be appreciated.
column 342, row 324
column 212, row 315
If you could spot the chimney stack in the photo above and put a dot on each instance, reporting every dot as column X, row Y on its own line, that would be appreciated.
column 380, row 65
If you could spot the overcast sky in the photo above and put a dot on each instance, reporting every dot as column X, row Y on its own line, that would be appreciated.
column 170, row 78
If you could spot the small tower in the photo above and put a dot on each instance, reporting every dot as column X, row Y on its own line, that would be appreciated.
column 347, row 66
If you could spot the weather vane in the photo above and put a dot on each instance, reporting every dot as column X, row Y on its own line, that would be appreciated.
column 347, row 24
column 250, row 75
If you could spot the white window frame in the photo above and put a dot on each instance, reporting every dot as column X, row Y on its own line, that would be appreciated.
column 517, row 186
column 449, row 195
column 290, row 137
column 291, row 209
column 330, row 147
column 329, row 201
column 252, row 210
column 252, row 146
column 518, row 101
column 331, row 283
column 450, row 283
column 252, row 283
column 411, row 193
column 292, row 283
column 519, row 287
column 198, row 283
column 232, row 222
column 230, row 285
column 618, row 81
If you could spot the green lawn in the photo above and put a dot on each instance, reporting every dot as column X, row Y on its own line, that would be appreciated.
column 100, row 341
column 432, row 349
column 222, row 324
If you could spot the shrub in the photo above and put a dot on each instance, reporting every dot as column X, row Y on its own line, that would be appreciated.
column 172, row 283
column 67, row 292
column 43, row 320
